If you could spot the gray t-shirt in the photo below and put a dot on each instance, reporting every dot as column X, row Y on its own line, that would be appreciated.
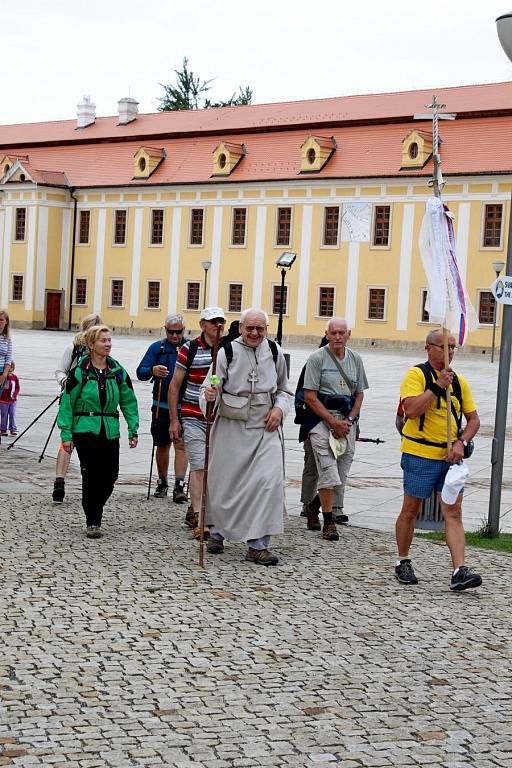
column 322, row 375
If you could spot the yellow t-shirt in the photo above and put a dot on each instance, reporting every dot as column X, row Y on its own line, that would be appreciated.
column 434, row 427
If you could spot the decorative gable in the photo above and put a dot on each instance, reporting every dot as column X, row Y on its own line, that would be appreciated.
column 16, row 172
column 226, row 157
column 7, row 163
column 416, row 149
column 146, row 160
column 315, row 152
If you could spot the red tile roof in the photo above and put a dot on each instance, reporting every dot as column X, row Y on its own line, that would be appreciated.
column 368, row 130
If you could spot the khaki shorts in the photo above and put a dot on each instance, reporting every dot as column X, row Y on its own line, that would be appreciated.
column 332, row 472
column 194, row 437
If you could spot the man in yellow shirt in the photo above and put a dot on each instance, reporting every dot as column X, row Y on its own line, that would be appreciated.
column 425, row 460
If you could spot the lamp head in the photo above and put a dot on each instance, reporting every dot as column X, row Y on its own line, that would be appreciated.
column 286, row 259
column 498, row 266
column 504, row 28
column 206, row 265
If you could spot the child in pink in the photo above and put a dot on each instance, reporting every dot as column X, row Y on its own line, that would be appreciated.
column 8, row 400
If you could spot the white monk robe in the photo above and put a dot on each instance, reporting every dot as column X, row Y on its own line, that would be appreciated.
column 246, row 464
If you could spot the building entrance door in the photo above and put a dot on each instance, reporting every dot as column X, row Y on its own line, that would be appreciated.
column 52, row 316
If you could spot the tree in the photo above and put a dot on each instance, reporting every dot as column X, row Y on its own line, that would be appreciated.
column 188, row 92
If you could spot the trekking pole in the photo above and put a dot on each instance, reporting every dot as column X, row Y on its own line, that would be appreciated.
column 48, row 439
column 33, row 422
column 157, row 413
column 209, row 420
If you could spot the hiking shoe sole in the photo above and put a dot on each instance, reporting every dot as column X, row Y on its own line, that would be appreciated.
column 472, row 583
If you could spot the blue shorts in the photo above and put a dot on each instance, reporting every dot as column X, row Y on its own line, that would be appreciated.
column 422, row 476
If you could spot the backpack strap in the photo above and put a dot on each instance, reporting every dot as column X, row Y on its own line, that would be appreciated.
column 228, row 349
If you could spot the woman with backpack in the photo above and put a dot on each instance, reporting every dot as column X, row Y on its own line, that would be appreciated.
column 89, row 420
column 69, row 360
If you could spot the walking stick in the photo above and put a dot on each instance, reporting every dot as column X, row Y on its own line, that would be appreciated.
column 48, row 439
column 157, row 413
column 33, row 422
column 209, row 420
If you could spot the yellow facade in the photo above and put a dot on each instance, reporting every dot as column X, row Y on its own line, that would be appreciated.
column 173, row 267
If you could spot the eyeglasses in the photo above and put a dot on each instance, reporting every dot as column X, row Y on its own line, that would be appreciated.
column 174, row 331
column 217, row 321
column 453, row 347
column 257, row 328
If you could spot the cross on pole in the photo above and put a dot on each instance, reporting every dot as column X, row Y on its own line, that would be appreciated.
column 437, row 181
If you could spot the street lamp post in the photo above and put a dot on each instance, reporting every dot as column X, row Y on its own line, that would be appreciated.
column 497, row 266
column 504, row 26
column 206, row 266
column 285, row 261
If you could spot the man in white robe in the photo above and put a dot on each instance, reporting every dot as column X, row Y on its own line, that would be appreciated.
column 246, row 469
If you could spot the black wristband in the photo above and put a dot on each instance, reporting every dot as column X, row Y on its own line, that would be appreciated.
column 436, row 389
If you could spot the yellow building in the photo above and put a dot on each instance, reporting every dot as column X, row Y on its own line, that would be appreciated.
column 121, row 214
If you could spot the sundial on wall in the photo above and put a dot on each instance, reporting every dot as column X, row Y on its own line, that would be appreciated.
column 356, row 219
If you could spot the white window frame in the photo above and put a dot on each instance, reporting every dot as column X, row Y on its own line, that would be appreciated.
column 479, row 292
column 276, row 226
column 231, row 243
column 323, row 246
column 372, row 230
column 235, row 282
column 487, row 248
column 75, row 304
column 13, row 275
column 146, row 304
column 24, row 240
column 190, row 243
column 287, row 301
column 318, row 316
column 200, row 283
column 114, row 244
column 367, row 307
column 156, row 245
column 116, row 306
column 80, row 211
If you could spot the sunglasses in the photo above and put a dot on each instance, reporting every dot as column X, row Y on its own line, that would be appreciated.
column 174, row 331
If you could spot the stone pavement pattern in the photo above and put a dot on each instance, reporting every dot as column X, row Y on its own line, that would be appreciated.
column 123, row 652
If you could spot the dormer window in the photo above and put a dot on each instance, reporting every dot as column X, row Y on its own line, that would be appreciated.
column 315, row 152
column 416, row 149
column 226, row 157
column 146, row 160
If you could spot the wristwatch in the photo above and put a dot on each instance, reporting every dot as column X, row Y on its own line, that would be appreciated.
column 352, row 419
column 464, row 442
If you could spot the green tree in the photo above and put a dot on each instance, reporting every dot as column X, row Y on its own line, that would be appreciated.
column 188, row 92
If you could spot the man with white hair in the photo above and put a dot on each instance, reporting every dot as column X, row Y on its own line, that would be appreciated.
column 334, row 384
column 246, row 470
column 158, row 365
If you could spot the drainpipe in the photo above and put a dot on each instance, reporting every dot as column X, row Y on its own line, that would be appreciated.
column 73, row 243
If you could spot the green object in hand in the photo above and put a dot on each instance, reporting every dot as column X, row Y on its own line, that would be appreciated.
column 214, row 380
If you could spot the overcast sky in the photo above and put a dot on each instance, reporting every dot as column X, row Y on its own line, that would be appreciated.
column 55, row 52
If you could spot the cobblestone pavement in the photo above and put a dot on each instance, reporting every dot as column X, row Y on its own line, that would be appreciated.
column 123, row 652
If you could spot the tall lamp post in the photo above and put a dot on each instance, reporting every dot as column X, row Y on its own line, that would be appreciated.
column 497, row 266
column 206, row 266
column 285, row 261
column 504, row 27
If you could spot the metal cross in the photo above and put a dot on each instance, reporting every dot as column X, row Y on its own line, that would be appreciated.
column 252, row 379
column 437, row 181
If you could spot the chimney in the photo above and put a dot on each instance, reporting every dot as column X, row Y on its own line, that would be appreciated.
column 85, row 113
column 127, row 110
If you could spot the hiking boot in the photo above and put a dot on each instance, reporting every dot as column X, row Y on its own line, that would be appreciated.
column 59, row 490
column 93, row 532
column 178, row 494
column 197, row 533
column 313, row 506
column 261, row 557
column 191, row 518
column 339, row 517
column 329, row 532
column 161, row 489
column 313, row 522
column 465, row 578
column 215, row 546
column 404, row 572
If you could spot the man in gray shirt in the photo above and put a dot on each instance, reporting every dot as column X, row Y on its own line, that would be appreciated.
column 334, row 385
